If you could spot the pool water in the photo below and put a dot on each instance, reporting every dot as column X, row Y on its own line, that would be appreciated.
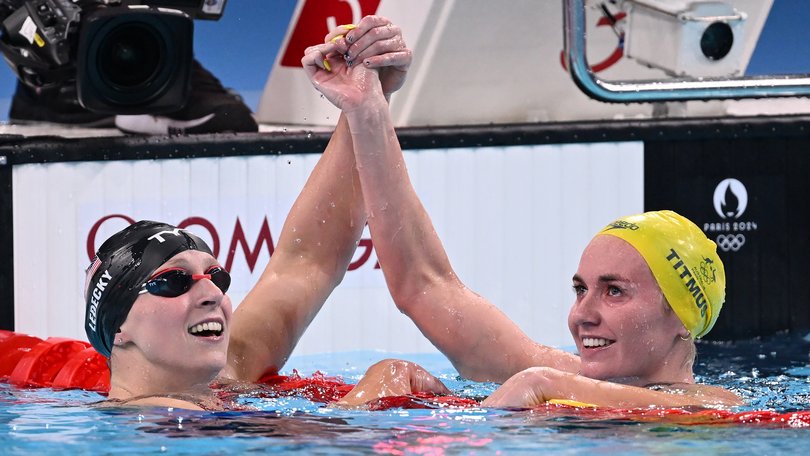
column 771, row 374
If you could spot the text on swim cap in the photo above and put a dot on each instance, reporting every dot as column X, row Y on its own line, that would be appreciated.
column 159, row 236
column 99, row 288
column 689, row 281
column 622, row 224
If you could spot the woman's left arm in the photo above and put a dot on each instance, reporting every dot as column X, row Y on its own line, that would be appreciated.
column 537, row 385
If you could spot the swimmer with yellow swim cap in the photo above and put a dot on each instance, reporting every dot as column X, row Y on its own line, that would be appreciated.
column 646, row 286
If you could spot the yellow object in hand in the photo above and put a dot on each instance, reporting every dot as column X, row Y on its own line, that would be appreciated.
column 570, row 403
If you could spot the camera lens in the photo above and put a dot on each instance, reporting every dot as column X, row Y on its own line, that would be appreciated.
column 130, row 56
column 717, row 40
column 134, row 62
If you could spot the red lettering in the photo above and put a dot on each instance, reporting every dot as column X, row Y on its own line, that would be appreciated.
column 238, row 239
column 315, row 21
column 91, row 236
column 199, row 221
column 365, row 243
column 251, row 256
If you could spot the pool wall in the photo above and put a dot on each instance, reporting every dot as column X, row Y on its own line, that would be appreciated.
column 514, row 204
column 514, row 219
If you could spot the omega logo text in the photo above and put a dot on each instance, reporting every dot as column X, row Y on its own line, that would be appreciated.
column 239, row 247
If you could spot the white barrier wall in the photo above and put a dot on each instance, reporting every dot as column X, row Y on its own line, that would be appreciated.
column 513, row 219
column 491, row 61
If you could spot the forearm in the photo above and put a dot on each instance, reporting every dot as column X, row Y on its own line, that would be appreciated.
column 406, row 243
column 463, row 325
column 536, row 386
column 312, row 254
column 617, row 395
column 608, row 394
column 328, row 217
column 318, row 239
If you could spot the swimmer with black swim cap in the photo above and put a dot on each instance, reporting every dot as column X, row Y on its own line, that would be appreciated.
column 125, row 267
column 157, row 308
column 156, row 297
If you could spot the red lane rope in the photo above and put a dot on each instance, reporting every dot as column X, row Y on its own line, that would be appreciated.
column 39, row 366
column 59, row 363
column 86, row 370
column 317, row 388
column 12, row 348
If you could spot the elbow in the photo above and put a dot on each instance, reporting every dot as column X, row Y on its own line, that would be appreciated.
column 337, row 271
column 409, row 295
column 479, row 373
column 473, row 374
column 404, row 301
column 404, row 291
column 416, row 291
column 337, row 276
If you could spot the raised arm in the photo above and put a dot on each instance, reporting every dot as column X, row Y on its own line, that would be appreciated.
column 321, row 231
column 313, row 252
column 479, row 339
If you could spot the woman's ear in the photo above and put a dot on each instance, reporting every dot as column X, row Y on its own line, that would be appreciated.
column 121, row 338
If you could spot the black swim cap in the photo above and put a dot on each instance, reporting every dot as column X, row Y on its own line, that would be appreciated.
column 121, row 266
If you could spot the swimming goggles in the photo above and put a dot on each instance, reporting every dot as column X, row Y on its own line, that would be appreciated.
column 173, row 282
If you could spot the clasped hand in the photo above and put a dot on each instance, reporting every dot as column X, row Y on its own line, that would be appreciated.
column 358, row 63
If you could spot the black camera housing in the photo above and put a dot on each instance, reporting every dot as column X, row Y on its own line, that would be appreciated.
column 35, row 41
column 134, row 62
column 197, row 9
column 124, row 56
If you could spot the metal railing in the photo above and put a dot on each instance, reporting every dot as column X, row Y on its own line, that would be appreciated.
column 680, row 89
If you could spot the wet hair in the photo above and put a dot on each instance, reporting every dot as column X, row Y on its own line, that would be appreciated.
column 118, row 271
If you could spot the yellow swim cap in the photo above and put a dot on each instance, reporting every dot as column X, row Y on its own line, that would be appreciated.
column 684, row 262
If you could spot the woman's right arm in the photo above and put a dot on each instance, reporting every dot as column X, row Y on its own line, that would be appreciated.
column 480, row 340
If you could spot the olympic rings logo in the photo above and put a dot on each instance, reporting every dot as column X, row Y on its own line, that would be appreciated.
column 730, row 242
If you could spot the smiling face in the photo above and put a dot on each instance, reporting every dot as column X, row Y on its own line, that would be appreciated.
column 184, row 336
column 621, row 323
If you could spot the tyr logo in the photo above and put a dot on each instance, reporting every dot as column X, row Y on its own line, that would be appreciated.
column 159, row 236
